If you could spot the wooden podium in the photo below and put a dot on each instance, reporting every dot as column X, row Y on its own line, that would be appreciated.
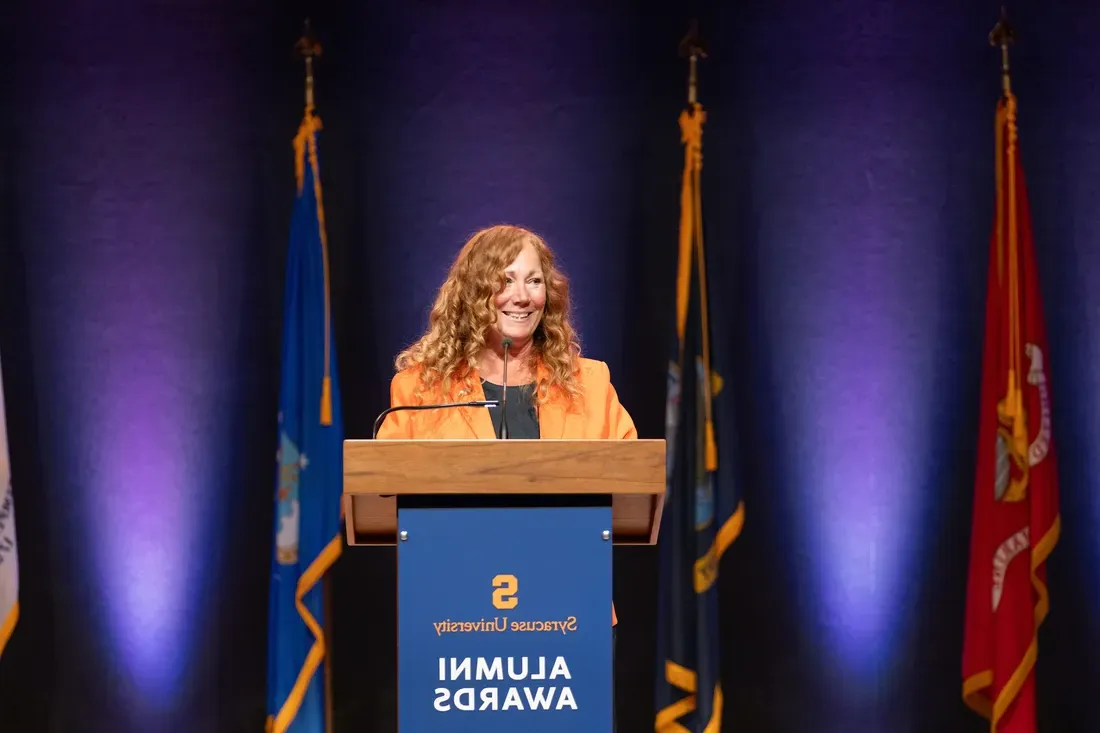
column 504, row 572
column 379, row 472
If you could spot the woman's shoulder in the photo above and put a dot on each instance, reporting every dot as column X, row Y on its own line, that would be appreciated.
column 593, row 371
column 407, row 384
column 404, row 383
column 408, row 374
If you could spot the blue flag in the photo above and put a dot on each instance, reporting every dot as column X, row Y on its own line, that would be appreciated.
column 306, row 539
column 703, row 512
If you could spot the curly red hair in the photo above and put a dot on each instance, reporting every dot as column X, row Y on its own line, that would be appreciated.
column 464, row 310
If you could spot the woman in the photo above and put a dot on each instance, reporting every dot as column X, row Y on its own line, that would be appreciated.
column 504, row 284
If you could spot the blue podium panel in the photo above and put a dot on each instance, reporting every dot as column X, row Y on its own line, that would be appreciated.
column 504, row 620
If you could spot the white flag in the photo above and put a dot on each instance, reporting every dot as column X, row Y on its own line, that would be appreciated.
column 9, row 558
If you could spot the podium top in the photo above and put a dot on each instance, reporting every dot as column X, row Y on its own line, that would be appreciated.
column 376, row 472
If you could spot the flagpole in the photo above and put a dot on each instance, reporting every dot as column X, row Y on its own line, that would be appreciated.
column 691, row 123
column 309, row 48
column 691, row 47
column 1003, row 35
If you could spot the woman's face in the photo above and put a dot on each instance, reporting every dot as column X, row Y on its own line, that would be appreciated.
column 520, row 304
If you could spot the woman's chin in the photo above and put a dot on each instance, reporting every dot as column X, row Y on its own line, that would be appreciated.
column 519, row 340
column 519, row 333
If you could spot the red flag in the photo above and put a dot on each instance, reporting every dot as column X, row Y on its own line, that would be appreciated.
column 1016, row 522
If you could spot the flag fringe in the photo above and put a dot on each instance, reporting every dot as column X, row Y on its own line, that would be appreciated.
column 280, row 722
column 7, row 628
column 686, row 680
column 975, row 687
column 305, row 147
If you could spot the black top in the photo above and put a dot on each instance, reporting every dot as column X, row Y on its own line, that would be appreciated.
column 523, row 415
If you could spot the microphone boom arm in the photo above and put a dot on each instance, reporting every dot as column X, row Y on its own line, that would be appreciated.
column 397, row 408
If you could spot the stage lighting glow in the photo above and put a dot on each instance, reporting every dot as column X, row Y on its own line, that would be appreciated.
column 858, row 505
column 149, row 447
column 146, row 494
column 1079, row 497
column 1075, row 349
column 142, row 310
column 861, row 432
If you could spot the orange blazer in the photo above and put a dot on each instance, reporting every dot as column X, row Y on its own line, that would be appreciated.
column 598, row 416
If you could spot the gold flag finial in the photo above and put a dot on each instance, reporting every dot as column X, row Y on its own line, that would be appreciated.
column 692, row 48
column 1003, row 35
column 308, row 48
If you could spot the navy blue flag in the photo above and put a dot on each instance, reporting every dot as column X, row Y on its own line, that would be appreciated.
column 306, row 536
column 703, row 512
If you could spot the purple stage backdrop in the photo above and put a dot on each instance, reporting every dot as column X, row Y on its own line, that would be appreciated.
column 848, row 189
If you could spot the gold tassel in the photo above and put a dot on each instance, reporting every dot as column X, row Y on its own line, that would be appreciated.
column 712, row 447
column 326, row 401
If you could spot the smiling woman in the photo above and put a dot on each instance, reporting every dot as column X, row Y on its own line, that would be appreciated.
column 504, row 286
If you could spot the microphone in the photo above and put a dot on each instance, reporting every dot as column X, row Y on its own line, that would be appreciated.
column 506, row 343
column 476, row 403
